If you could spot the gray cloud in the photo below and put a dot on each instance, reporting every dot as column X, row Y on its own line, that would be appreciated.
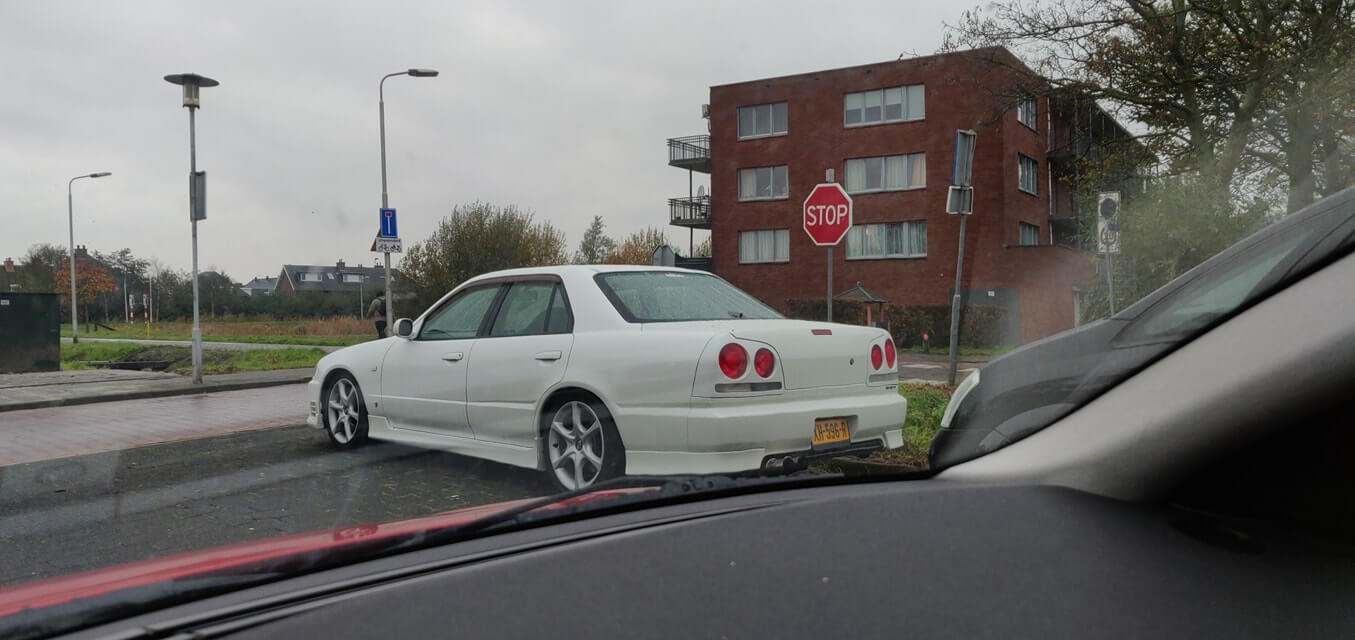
column 560, row 107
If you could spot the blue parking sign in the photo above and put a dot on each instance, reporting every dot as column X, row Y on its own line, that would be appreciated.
column 388, row 224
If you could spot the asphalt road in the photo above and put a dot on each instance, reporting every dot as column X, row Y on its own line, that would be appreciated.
column 78, row 513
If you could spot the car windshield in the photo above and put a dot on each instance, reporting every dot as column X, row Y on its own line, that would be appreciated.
column 669, row 296
column 329, row 275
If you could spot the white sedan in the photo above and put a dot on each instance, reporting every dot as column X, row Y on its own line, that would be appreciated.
column 590, row 372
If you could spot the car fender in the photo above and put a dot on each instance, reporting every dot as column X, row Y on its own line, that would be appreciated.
column 363, row 361
column 643, row 377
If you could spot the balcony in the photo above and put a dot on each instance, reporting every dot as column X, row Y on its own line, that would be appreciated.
column 691, row 153
column 689, row 212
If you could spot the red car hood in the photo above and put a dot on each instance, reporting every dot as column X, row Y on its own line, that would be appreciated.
column 45, row 593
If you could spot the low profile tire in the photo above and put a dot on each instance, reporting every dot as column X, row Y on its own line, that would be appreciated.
column 583, row 446
column 344, row 411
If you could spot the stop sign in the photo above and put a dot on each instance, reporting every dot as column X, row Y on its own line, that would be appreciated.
column 827, row 214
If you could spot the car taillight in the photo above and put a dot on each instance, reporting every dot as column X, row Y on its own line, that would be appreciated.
column 733, row 361
column 764, row 362
column 889, row 353
column 876, row 356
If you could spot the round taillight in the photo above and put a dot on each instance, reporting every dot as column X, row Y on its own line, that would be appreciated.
column 876, row 356
column 764, row 362
column 733, row 361
column 889, row 353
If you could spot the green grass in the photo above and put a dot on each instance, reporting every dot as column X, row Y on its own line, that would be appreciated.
column 926, row 405
column 76, row 356
column 256, row 360
column 138, row 332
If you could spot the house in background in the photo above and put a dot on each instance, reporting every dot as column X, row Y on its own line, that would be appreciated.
column 336, row 278
column 886, row 132
column 259, row 286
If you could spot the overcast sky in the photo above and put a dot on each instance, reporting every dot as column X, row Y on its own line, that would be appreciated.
column 558, row 107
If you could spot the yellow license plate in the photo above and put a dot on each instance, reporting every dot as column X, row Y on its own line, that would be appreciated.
column 830, row 430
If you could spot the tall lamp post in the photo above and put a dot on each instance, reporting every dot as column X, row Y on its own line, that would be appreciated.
column 197, row 193
column 70, row 213
column 381, row 95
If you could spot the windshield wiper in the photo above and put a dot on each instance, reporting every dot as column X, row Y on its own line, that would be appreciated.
column 735, row 314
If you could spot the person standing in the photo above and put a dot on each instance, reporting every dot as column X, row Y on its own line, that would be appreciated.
column 378, row 309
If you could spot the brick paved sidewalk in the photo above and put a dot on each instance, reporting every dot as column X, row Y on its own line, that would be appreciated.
column 21, row 391
column 58, row 432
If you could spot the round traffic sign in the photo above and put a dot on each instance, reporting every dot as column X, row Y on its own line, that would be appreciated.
column 1108, row 207
column 827, row 214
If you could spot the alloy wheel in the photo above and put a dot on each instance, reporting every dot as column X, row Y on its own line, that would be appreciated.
column 342, row 410
column 575, row 445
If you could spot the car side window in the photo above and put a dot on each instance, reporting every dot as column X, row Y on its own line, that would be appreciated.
column 524, row 310
column 560, row 320
column 461, row 318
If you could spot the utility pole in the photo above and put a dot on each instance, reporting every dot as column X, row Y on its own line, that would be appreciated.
column 197, row 193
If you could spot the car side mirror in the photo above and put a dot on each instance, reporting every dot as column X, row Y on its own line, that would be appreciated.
column 404, row 327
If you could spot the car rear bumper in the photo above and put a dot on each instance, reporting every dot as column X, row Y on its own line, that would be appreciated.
column 727, row 435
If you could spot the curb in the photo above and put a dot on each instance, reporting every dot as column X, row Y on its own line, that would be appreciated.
column 154, row 393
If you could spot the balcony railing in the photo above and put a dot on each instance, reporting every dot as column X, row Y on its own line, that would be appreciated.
column 689, row 212
column 691, row 152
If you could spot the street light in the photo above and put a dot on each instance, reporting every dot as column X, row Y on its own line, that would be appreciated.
column 70, row 212
column 197, row 193
column 381, row 94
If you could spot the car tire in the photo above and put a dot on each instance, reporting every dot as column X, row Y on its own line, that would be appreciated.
column 582, row 445
column 344, row 412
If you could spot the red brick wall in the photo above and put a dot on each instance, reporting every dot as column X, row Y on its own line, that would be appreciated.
column 959, row 95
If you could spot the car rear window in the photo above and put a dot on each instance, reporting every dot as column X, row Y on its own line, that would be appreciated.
column 672, row 296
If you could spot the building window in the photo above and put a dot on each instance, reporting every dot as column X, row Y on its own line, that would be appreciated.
column 1026, row 171
column 762, row 120
column 352, row 277
column 766, row 245
column 1025, row 111
column 887, row 173
column 895, row 104
column 312, row 276
column 763, row 183
column 887, row 240
column 1029, row 234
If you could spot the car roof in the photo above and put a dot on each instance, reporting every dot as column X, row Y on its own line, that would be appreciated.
column 586, row 269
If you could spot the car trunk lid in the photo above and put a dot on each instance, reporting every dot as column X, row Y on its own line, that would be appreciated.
column 815, row 354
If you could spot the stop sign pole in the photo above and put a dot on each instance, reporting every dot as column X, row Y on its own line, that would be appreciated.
column 827, row 218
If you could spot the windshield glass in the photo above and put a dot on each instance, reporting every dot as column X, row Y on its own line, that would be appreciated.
column 668, row 296
column 325, row 268
column 1217, row 292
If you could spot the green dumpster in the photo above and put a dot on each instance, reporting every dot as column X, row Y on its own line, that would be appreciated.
column 30, row 332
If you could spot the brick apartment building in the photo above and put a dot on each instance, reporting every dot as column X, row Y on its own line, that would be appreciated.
column 887, row 133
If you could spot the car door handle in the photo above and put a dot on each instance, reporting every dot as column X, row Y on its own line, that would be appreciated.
column 454, row 356
column 548, row 355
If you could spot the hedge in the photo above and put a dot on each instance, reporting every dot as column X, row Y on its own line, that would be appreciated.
column 980, row 325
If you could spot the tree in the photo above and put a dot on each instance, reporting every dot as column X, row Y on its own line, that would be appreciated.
column 1165, row 232
column 91, row 281
column 127, row 271
column 702, row 250
column 217, row 291
column 639, row 247
column 1232, row 92
column 476, row 238
column 595, row 246
column 40, row 267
